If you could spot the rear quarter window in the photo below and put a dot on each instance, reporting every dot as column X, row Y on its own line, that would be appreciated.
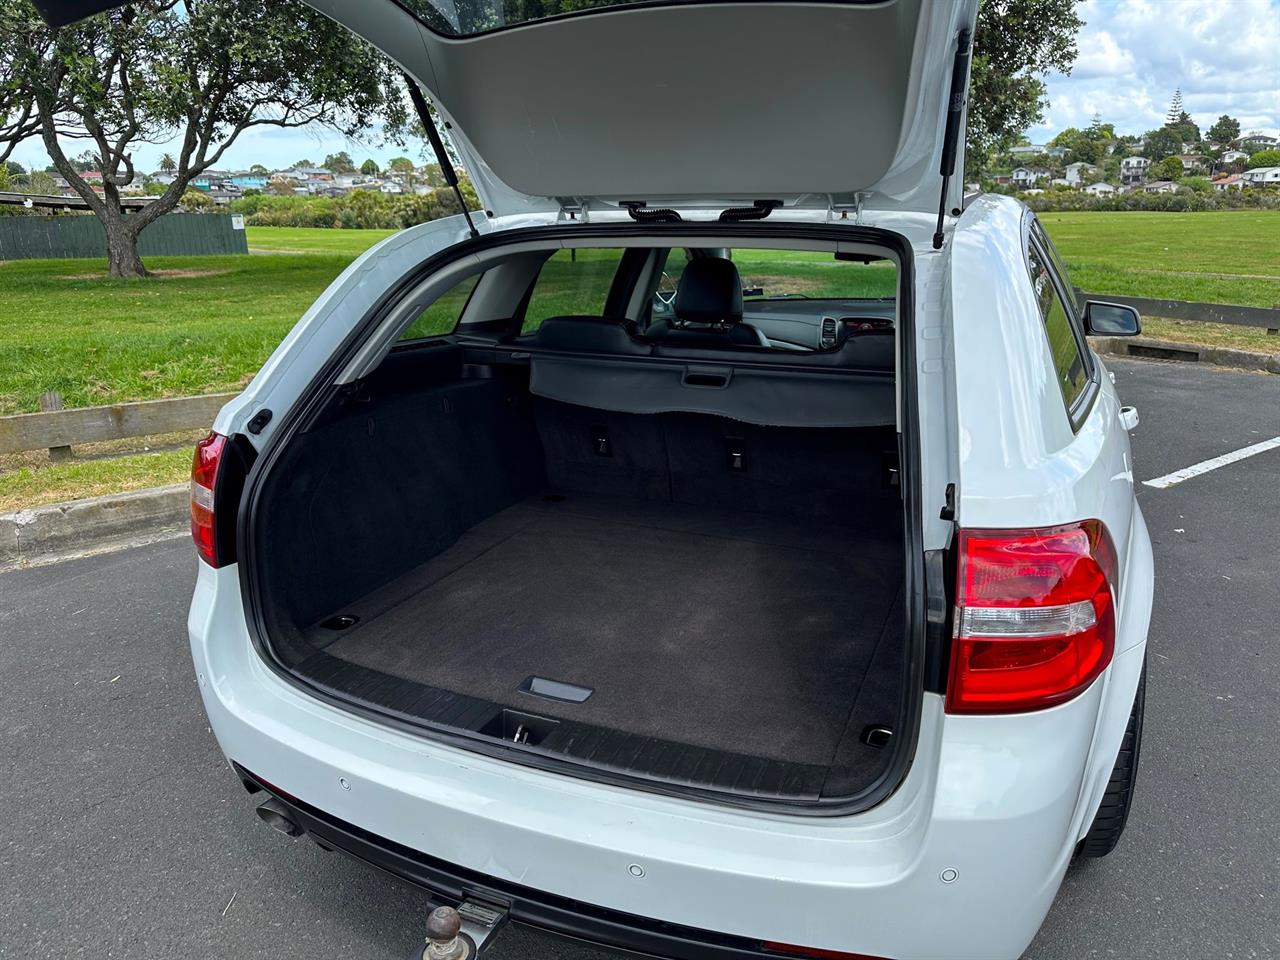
column 443, row 314
column 1068, row 356
column 572, row 282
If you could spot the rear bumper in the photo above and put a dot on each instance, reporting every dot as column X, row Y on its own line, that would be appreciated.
column 999, row 801
column 450, row 884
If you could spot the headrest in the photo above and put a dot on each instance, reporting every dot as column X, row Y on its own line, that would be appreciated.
column 710, row 291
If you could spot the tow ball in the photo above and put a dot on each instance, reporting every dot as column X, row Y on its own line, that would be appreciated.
column 460, row 934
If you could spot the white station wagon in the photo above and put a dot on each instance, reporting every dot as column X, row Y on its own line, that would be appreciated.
column 724, row 544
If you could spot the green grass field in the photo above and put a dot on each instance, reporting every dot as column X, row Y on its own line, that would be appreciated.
column 205, row 324
column 1230, row 256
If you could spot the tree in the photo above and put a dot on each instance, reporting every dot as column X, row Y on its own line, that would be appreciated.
column 259, row 169
column 282, row 186
column 370, row 168
column 1170, row 168
column 168, row 164
column 400, row 165
column 1185, row 128
column 1175, row 109
column 1016, row 44
column 1224, row 130
column 1162, row 143
column 205, row 69
column 339, row 163
column 1264, row 158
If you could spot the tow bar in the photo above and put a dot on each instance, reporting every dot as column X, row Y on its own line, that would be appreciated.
column 460, row 934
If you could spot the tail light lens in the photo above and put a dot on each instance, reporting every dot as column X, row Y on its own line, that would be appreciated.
column 204, row 479
column 1035, row 618
column 791, row 950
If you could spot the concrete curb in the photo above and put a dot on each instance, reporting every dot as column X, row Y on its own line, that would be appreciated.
column 62, row 530
column 1144, row 348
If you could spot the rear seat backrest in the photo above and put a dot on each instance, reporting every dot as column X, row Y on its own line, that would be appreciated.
column 588, row 334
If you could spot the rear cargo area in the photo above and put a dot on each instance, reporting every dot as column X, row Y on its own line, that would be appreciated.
column 678, row 596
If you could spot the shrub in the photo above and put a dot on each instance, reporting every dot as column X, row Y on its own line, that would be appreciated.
column 358, row 210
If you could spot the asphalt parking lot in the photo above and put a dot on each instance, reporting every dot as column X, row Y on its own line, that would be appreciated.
column 123, row 834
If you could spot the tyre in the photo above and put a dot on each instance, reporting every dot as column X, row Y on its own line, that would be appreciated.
column 1109, row 822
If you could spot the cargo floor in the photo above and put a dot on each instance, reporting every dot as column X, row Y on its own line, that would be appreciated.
column 745, row 633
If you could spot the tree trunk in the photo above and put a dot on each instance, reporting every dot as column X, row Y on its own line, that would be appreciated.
column 122, row 249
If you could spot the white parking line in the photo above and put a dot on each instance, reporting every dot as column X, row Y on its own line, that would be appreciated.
column 1204, row 466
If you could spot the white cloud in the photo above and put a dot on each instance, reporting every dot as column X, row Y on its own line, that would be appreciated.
column 1223, row 54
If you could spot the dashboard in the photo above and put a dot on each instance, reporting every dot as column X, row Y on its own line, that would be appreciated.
column 797, row 323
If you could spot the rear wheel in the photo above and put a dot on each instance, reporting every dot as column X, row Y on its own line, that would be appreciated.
column 1109, row 822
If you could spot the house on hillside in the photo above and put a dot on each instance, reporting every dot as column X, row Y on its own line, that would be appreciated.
column 1160, row 186
column 1191, row 163
column 1262, row 176
column 1134, row 169
column 245, row 180
column 1231, row 156
column 1230, row 182
column 1257, row 141
column 1100, row 189
column 1027, row 150
column 390, row 187
column 1024, row 177
column 1077, row 172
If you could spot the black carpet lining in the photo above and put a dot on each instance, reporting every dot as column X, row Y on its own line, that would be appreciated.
column 717, row 628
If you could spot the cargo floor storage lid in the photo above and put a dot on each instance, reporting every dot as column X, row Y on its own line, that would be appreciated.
column 701, row 104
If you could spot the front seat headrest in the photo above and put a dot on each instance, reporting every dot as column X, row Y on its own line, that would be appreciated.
column 710, row 291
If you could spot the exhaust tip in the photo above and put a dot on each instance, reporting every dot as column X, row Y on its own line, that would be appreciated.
column 277, row 816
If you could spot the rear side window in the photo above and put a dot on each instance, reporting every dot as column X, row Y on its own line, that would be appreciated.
column 1068, row 357
column 443, row 314
column 571, row 283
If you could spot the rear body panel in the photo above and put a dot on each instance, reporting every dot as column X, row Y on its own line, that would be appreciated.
column 999, row 800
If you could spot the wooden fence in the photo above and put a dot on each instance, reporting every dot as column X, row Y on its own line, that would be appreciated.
column 59, row 429
column 173, row 235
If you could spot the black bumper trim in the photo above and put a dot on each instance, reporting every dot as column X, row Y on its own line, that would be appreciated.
column 447, row 883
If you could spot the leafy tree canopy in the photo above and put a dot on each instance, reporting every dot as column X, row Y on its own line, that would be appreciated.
column 1224, row 130
column 400, row 165
column 258, row 169
column 1017, row 42
column 339, row 163
column 370, row 168
column 1162, row 143
column 1264, row 158
column 205, row 69
column 1170, row 168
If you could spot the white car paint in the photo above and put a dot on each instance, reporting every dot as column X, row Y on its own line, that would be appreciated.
column 1001, row 801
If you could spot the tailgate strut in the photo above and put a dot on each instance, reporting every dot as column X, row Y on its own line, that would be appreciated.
column 955, row 112
column 442, row 156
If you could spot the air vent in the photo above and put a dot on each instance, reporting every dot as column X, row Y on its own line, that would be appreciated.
column 829, row 328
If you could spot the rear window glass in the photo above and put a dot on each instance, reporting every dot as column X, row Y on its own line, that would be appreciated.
column 443, row 313
column 461, row 17
column 571, row 283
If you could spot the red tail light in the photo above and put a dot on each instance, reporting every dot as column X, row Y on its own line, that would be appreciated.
column 204, row 479
column 791, row 950
column 1035, row 617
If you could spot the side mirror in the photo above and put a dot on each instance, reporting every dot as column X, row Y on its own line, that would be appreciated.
column 1111, row 320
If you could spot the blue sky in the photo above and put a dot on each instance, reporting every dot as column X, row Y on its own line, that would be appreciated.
column 1223, row 54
